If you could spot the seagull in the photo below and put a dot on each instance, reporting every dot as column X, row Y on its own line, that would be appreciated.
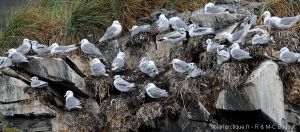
column 155, row 92
column 16, row 57
column 118, row 62
column 200, row 31
column 123, row 85
column 138, row 29
column 71, row 101
column 89, row 48
column 194, row 71
column 211, row 8
column 288, row 56
column 238, row 36
column 252, row 20
column 177, row 23
column 5, row 62
column 98, row 68
column 111, row 32
column 162, row 23
column 144, row 64
column 25, row 47
column 260, row 39
column 59, row 49
column 176, row 37
column 151, row 69
column 212, row 47
column 267, row 16
column 36, row 83
column 179, row 65
column 222, row 56
column 39, row 48
column 238, row 53
column 284, row 23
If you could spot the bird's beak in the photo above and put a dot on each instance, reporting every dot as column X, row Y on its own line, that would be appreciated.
column 230, row 47
column 7, row 53
column 130, row 30
column 79, row 43
column 65, row 95
column 170, row 63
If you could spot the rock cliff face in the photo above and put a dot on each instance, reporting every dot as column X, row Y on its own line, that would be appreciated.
column 259, row 93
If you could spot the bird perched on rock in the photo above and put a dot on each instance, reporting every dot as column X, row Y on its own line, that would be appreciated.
column 71, row 101
column 162, row 23
column 267, row 16
column 16, row 57
column 211, row 47
column 39, row 48
column 144, row 64
column 5, row 62
column 98, row 68
column 211, row 8
column 260, row 39
column 177, row 23
column 194, row 71
column 55, row 48
column 139, row 29
column 123, row 85
column 118, row 62
column 155, row 92
column 151, row 69
column 285, row 22
column 176, row 37
column 238, row 53
column 25, row 47
column 238, row 36
column 252, row 21
column 288, row 56
column 36, row 83
column 111, row 32
column 200, row 31
column 179, row 65
column 89, row 48
column 222, row 56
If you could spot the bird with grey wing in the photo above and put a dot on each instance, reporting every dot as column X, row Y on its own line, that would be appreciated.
column 267, row 16
column 123, row 85
column 98, row 68
column 260, row 39
column 239, row 54
column 176, row 23
column 118, row 62
column 55, row 48
column 25, row 47
column 179, row 65
column 285, row 22
column 151, row 69
column 88, row 47
column 194, row 71
column 112, row 31
column 162, row 23
column 176, row 37
column 211, row 8
column 39, row 48
column 16, row 57
column 199, row 31
column 287, row 56
column 36, row 83
column 238, row 36
column 139, row 29
column 71, row 101
column 211, row 47
column 223, row 55
column 144, row 64
column 155, row 92
column 5, row 62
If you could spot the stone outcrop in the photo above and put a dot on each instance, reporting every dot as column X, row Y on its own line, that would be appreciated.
column 261, row 90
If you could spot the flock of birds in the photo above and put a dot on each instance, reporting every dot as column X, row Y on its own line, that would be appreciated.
column 147, row 66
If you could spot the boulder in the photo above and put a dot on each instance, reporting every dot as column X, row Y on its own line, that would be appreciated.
column 262, row 91
column 12, row 89
column 292, row 115
column 57, row 71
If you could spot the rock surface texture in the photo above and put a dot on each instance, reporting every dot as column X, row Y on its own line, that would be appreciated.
column 241, row 94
